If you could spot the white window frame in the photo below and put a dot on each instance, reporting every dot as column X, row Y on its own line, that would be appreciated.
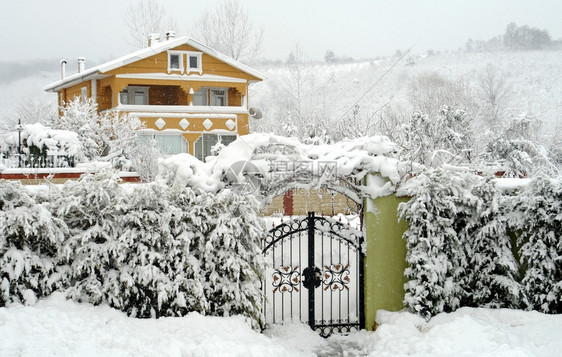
column 152, row 136
column 83, row 94
column 224, row 96
column 180, row 56
column 201, row 142
column 208, row 95
column 199, row 56
column 131, row 96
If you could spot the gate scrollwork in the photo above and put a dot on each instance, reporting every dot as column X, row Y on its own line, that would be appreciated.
column 286, row 279
column 336, row 277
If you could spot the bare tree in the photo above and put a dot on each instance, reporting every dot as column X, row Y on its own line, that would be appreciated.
column 429, row 92
column 493, row 89
column 228, row 29
column 144, row 17
column 297, row 83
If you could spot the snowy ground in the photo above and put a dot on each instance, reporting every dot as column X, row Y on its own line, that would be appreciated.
column 55, row 327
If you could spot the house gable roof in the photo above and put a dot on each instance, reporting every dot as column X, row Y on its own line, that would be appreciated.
column 98, row 72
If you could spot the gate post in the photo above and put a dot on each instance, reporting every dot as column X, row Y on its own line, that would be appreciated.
column 385, row 261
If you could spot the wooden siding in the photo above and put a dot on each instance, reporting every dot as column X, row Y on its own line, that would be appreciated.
column 243, row 125
column 234, row 97
column 195, row 124
column 76, row 91
column 104, row 97
column 159, row 64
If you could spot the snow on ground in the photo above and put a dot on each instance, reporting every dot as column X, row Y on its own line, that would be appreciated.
column 55, row 327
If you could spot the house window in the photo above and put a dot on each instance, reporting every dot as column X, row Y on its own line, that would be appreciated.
column 194, row 62
column 175, row 61
column 211, row 96
column 134, row 96
column 200, row 97
column 168, row 144
column 205, row 142
column 218, row 97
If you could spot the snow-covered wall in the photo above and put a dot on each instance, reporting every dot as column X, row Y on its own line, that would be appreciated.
column 273, row 164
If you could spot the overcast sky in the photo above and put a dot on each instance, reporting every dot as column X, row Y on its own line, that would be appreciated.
column 36, row 29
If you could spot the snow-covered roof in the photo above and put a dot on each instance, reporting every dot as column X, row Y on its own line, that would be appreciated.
column 98, row 71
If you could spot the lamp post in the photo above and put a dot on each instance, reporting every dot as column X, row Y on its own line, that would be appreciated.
column 19, row 128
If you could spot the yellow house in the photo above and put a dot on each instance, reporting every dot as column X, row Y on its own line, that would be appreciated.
column 188, row 95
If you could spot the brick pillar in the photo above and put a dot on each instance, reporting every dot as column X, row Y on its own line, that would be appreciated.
column 288, row 203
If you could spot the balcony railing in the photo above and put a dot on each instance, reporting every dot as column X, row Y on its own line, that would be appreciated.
column 181, row 109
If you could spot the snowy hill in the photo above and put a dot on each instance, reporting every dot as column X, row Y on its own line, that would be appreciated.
column 332, row 91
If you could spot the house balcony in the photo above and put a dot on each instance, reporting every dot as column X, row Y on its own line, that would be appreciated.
column 185, row 108
column 174, row 98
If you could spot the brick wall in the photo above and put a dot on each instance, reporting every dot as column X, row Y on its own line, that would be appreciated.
column 299, row 202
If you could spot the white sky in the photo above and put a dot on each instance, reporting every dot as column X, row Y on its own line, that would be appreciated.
column 36, row 29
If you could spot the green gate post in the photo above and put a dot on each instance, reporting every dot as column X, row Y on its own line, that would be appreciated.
column 385, row 260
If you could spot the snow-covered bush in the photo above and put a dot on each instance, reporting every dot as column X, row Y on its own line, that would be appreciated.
column 436, row 254
column 110, row 136
column 462, row 245
column 41, row 146
column 83, row 119
column 445, row 138
column 90, row 208
column 156, row 250
column 493, row 279
column 540, row 207
column 142, row 156
column 231, row 255
column 159, row 271
column 30, row 237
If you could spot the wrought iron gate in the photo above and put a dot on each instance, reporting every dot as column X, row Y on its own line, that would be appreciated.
column 314, row 275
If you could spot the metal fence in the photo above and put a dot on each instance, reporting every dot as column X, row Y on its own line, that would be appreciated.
column 9, row 160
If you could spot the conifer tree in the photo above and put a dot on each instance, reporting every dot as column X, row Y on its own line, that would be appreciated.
column 29, row 241
column 90, row 208
column 436, row 253
column 541, row 243
column 232, row 258
column 494, row 270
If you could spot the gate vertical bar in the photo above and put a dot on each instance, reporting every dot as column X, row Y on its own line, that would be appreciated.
column 361, row 291
column 311, row 292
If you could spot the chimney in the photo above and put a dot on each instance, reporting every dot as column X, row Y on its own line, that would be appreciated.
column 170, row 35
column 62, row 68
column 153, row 39
column 81, row 64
